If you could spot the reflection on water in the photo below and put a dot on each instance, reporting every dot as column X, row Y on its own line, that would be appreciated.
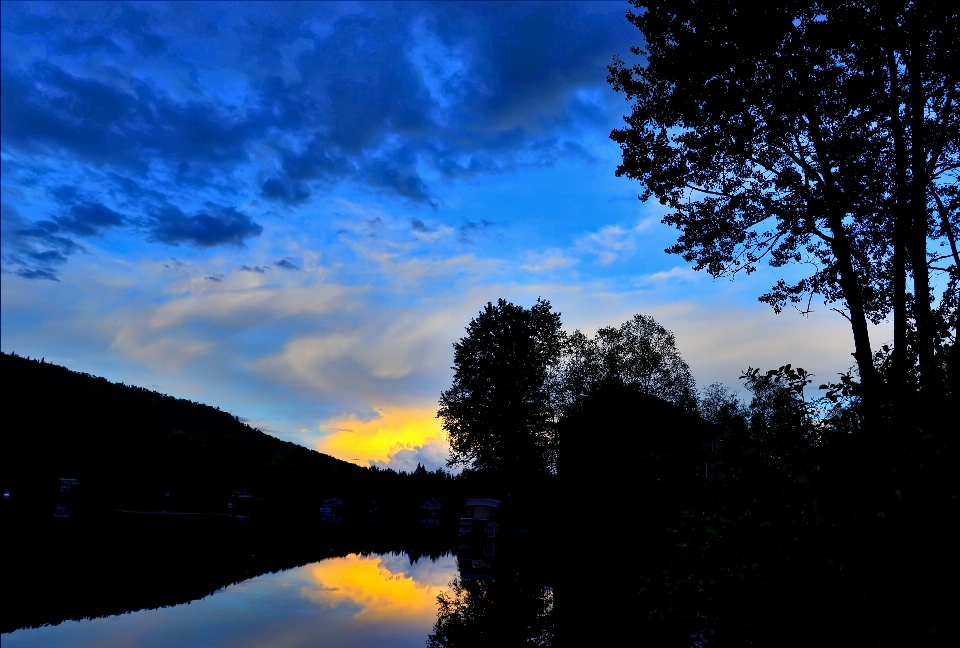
column 507, row 610
column 356, row 600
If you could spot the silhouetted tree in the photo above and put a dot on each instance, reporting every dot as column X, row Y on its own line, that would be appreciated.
column 498, row 411
column 819, row 134
column 721, row 406
column 641, row 353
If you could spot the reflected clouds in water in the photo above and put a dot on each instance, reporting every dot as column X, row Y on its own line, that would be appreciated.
column 356, row 600
column 382, row 589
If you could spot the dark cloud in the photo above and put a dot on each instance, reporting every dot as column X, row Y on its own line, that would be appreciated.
column 286, row 263
column 89, row 219
column 88, row 45
column 175, row 264
column 104, row 124
column 33, row 250
column 138, row 25
column 246, row 268
column 419, row 226
column 317, row 95
column 468, row 232
column 289, row 191
column 38, row 273
column 215, row 278
column 215, row 226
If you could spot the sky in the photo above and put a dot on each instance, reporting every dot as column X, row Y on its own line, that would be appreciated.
column 292, row 210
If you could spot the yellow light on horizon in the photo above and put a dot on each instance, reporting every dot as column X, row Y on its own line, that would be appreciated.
column 358, row 441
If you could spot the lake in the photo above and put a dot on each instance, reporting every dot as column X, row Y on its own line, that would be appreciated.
column 372, row 599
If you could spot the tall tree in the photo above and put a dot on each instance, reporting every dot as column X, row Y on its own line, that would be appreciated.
column 498, row 412
column 641, row 353
column 810, row 134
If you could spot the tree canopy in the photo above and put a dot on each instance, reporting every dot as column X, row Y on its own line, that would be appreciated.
column 639, row 353
column 816, row 135
column 498, row 411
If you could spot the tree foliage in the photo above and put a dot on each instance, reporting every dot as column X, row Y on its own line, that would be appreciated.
column 818, row 135
column 498, row 412
column 639, row 353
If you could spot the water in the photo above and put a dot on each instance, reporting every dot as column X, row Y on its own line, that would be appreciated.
column 354, row 600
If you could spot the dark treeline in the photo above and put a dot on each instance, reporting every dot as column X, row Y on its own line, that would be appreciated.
column 693, row 516
column 134, row 449
column 822, row 138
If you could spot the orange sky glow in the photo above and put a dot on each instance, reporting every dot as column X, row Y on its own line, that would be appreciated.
column 395, row 428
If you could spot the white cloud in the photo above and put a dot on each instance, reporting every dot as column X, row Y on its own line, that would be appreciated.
column 548, row 261
column 431, row 455
column 676, row 272
column 612, row 242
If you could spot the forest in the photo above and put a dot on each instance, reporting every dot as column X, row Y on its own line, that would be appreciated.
column 825, row 145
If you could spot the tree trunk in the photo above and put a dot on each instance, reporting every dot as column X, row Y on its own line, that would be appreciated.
column 851, row 292
column 917, row 240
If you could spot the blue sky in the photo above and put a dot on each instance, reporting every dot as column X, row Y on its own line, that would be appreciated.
column 291, row 210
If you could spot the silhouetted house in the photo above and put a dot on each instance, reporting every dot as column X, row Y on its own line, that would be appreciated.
column 431, row 505
column 622, row 439
column 67, row 484
column 329, row 509
column 480, row 520
column 242, row 504
column 709, row 435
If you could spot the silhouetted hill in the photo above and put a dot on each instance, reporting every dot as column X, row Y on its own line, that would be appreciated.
column 132, row 448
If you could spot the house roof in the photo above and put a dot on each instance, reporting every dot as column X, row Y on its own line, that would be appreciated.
column 483, row 502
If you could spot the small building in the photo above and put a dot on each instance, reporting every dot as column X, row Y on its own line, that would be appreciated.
column 67, row 484
column 332, row 502
column 431, row 505
column 479, row 520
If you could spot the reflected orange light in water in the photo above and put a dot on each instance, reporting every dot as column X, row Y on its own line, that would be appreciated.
column 358, row 441
column 381, row 595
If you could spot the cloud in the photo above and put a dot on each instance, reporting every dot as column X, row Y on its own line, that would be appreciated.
column 89, row 219
column 609, row 244
column 286, row 263
column 283, row 189
column 257, row 269
column 419, row 226
column 469, row 231
column 613, row 242
column 432, row 454
column 684, row 273
column 33, row 250
column 214, row 226
column 380, row 93
column 548, row 261
column 242, row 300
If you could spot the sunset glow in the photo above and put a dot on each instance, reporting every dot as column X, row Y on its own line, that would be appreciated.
column 379, row 439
